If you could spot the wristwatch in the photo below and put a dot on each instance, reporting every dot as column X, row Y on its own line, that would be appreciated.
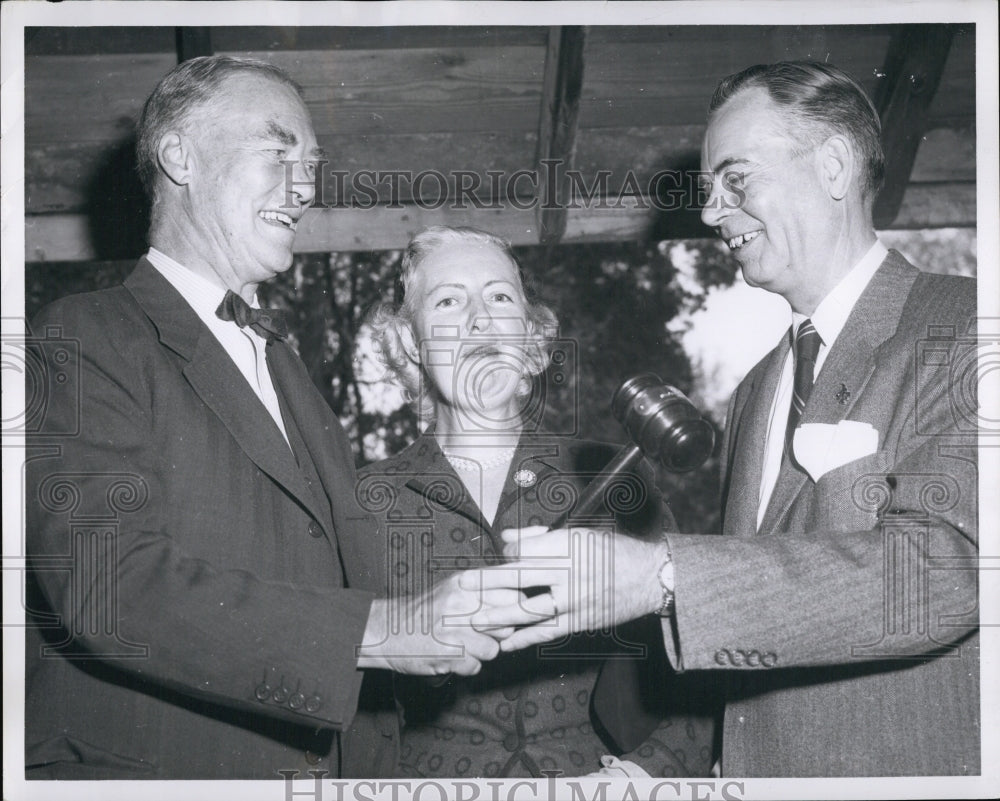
column 666, row 576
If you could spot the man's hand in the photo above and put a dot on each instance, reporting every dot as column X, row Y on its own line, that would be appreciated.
column 590, row 580
column 430, row 634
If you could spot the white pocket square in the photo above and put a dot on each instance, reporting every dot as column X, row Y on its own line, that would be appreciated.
column 822, row 447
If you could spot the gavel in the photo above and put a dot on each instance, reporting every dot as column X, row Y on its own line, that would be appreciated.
column 662, row 424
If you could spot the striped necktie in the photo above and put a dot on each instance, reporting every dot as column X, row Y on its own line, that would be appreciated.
column 806, row 349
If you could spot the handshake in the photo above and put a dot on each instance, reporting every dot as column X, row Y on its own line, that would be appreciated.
column 557, row 583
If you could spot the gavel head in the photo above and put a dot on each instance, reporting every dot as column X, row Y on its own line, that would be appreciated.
column 663, row 422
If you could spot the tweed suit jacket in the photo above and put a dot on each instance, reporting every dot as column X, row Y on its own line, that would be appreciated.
column 848, row 621
column 189, row 610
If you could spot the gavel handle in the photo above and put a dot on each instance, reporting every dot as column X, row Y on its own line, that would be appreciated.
column 592, row 496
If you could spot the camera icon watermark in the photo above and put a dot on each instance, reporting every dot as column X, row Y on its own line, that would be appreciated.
column 49, row 365
column 475, row 373
column 958, row 361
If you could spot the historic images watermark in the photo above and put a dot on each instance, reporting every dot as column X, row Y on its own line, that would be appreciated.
column 552, row 788
column 552, row 186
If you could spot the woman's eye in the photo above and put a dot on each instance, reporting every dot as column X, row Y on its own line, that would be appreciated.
column 502, row 297
column 445, row 303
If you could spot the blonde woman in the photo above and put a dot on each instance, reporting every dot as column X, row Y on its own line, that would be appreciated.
column 467, row 343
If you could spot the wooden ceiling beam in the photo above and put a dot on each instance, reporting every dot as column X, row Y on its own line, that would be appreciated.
column 70, row 237
column 193, row 42
column 912, row 71
column 561, row 87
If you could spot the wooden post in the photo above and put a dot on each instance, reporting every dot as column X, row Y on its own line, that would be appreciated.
column 913, row 67
column 561, row 87
column 193, row 42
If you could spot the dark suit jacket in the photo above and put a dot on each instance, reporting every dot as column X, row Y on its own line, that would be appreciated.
column 428, row 522
column 848, row 622
column 188, row 593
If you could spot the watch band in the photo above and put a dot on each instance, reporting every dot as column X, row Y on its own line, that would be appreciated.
column 666, row 608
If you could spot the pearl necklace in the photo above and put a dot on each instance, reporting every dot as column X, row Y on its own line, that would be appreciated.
column 467, row 465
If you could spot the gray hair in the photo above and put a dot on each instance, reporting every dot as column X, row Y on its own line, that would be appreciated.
column 390, row 320
column 817, row 100
column 180, row 94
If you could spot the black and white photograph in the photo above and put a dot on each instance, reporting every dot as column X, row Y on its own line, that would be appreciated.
column 500, row 401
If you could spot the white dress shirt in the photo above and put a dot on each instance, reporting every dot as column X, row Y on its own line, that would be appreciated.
column 828, row 319
column 244, row 346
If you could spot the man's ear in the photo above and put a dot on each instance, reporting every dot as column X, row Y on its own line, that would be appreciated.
column 838, row 165
column 173, row 153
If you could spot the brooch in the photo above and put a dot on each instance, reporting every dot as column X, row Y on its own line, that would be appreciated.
column 844, row 395
column 525, row 478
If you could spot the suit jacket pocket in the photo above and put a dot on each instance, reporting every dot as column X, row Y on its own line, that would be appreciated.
column 65, row 757
column 851, row 496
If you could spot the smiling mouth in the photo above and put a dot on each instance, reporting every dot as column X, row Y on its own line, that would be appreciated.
column 483, row 350
column 738, row 241
column 279, row 218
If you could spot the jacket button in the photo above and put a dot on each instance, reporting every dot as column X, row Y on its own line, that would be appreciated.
column 296, row 700
column 510, row 742
column 721, row 658
column 313, row 759
column 315, row 529
column 313, row 703
column 263, row 691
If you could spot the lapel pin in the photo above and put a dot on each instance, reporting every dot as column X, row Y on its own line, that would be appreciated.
column 843, row 395
column 525, row 478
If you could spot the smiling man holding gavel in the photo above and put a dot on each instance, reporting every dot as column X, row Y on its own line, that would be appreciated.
column 842, row 602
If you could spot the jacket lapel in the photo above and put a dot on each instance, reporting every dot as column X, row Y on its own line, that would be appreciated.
column 847, row 370
column 747, row 461
column 531, row 455
column 217, row 381
column 433, row 478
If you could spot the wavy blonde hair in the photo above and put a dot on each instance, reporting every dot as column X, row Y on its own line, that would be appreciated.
column 391, row 322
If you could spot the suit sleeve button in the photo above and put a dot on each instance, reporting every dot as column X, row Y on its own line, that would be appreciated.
column 312, row 758
column 281, row 694
column 313, row 703
column 315, row 529
column 770, row 659
column 263, row 691
column 296, row 700
column 721, row 658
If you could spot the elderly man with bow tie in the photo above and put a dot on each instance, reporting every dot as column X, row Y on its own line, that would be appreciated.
column 202, row 604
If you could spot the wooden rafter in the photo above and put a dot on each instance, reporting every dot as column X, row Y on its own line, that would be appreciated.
column 561, row 88
column 913, row 66
column 193, row 42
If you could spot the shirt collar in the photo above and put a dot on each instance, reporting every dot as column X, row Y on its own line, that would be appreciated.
column 203, row 296
column 831, row 314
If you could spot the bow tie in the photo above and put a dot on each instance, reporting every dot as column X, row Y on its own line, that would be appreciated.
column 268, row 323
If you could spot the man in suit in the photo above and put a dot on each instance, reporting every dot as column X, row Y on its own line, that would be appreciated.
column 842, row 600
column 202, row 573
